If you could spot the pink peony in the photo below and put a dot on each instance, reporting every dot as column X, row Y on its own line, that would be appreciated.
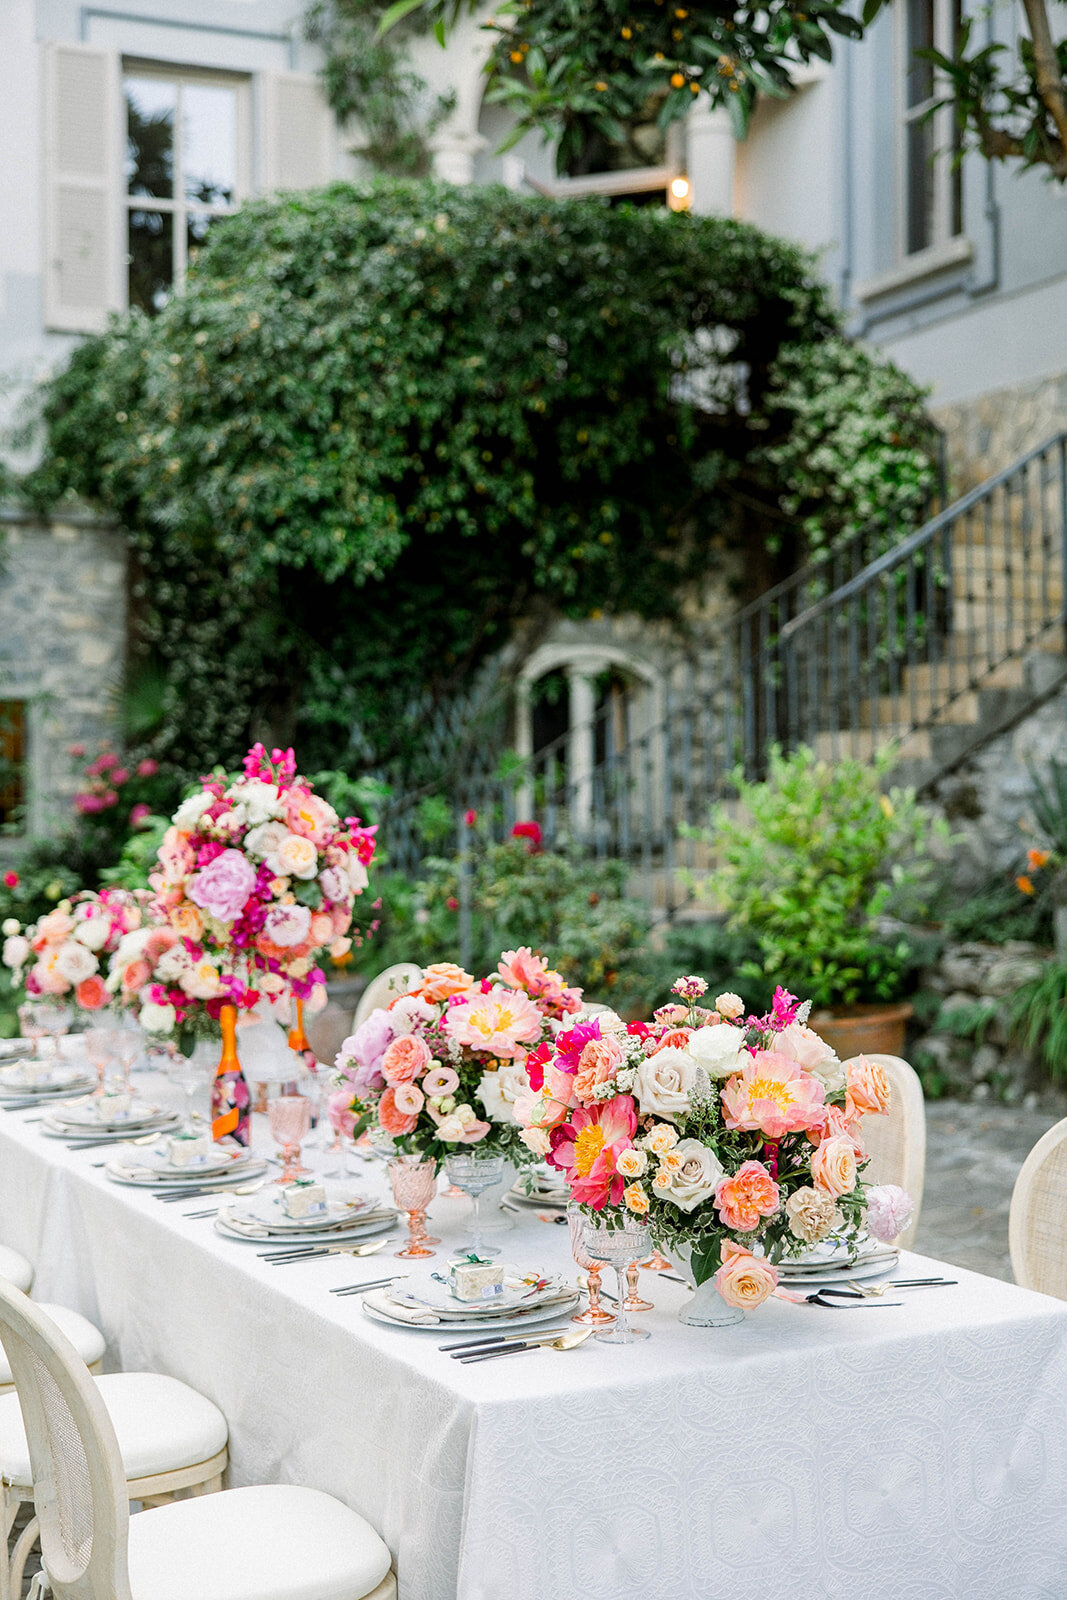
column 498, row 1023
column 224, row 885
column 889, row 1211
column 586, row 1150
column 287, row 926
column 309, row 815
column 773, row 1096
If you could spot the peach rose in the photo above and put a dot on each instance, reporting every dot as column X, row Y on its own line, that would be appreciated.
column 392, row 1119
column 635, row 1199
column 836, row 1127
column 867, row 1088
column 751, row 1193
column 321, row 929
column 537, row 1140
column 744, row 1280
column 135, row 976
column 631, row 1163
column 677, row 1039
column 833, row 1166
column 405, row 1058
column 295, row 857
column 442, row 980
column 187, row 921
column 91, row 994
column 53, row 928
column 662, row 1138
column 600, row 1060
column 730, row 1005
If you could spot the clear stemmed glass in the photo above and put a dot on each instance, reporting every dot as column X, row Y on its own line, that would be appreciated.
column 192, row 1074
column 594, row 1316
column 474, row 1173
column 126, row 1045
column 413, row 1183
column 617, row 1247
column 49, row 1021
column 289, row 1116
column 98, row 1049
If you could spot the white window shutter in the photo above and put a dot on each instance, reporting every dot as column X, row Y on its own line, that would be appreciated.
column 84, row 251
column 298, row 137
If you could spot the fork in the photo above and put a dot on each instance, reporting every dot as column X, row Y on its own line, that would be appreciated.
column 874, row 1291
column 289, row 1258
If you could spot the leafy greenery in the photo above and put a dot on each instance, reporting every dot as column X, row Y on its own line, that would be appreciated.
column 1039, row 1018
column 811, row 862
column 996, row 912
column 382, row 422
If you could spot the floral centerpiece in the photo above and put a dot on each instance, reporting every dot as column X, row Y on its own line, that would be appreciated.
column 62, row 957
column 737, row 1139
column 256, row 876
column 444, row 1066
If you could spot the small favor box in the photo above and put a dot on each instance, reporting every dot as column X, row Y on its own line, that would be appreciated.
column 303, row 1198
column 474, row 1279
column 112, row 1107
column 33, row 1071
column 190, row 1150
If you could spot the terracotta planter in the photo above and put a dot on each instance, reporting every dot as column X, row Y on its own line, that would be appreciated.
column 864, row 1030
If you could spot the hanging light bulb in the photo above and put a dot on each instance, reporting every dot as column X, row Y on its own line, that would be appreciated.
column 679, row 194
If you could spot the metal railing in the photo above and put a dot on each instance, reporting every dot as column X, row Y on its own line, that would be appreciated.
column 861, row 647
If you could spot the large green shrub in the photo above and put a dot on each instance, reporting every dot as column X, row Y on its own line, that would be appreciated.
column 810, row 866
column 382, row 422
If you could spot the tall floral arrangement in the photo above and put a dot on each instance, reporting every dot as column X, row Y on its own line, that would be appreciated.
column 445, row 1065
column 256, row 876
column 63, row 955
column 737, row 1138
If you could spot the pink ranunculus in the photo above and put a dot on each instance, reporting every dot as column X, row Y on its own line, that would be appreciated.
column 440, row 1081
column 772, row 1095
column 91, row 994
column 287, row 926
column 499, row 1023
column 405, row 1058
column 408, row 1099
column 224, row 885
column 744, row 1280
column 751, row 1193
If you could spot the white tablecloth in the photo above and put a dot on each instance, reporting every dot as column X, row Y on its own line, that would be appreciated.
column 878, row 1454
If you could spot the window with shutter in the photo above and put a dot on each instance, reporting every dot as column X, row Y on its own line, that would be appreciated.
column 298, row 132
column 82, row 165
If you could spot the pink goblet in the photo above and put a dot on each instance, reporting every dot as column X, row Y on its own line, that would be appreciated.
column 289, row 1116
column 413, row 1183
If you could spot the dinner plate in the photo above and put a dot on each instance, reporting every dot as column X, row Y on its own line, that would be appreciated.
column 539, row 1202
column 378, row 1221
column 266, row 1210
column 156, row 1158
column 27, row 1077
column 529, row 1319
column 817, row 1277
column 439, row 1297
column 136, row 1175
column 56, row 1127
column 85, row 1115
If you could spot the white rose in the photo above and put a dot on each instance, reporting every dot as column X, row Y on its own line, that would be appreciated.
column 294, row 857
column 537, row 1140
column 16, row 950
column 813, row 1054
column 131, row 947
column 172, row 963
column 498, row 1091
column 11, row 926
column 190, row 811
column 663, row 1081
column 695, row 1176
column 75, row 963
column 156, row 1018
column 201, row 981
column 334, row 883
column 265, row 839
column 717, row 1049
column 260, row 801
column 357, row 873
column 93, row 932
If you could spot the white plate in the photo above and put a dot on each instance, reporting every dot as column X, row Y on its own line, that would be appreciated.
column 85, row 1116
column 374, row 1224
column 132, row 1172
column 266, row 1209
column 156, row 1158
column 842, row 1262
column 836, row 1275
column 531, row 1319
column 439, row 1297
column 54, row 1128
column 540, row 1202
column 59, row 1075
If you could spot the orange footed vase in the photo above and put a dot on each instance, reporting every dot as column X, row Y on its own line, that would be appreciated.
column 298, row 1039
column 230, row 1099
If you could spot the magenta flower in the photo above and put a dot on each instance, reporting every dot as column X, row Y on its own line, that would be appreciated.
column 222, row 887
column 586, row 1150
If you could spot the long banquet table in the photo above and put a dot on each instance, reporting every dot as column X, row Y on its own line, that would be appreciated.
column 917, row 1453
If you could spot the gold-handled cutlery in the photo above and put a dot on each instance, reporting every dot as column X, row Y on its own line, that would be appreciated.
column 289, row 1258
column 569, row 1339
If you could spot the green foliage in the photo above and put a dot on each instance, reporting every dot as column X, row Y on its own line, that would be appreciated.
column 1039, row 1018
column 580, row 70
column 996, row 913
column 816, row 859
column 1049, row 804
column 573, row 910
column 968, row 1022
column 366, row 76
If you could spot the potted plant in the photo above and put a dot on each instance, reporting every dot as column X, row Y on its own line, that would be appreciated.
column 817, row 865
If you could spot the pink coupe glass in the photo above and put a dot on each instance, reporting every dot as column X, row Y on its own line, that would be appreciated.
column 289, row 1116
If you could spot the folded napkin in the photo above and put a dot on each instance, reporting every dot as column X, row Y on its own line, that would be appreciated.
column 260, row 1230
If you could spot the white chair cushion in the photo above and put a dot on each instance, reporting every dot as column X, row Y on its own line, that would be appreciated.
column 269, row 1543
column 87, row 1340
column 161, row 1425
column 15, row 1268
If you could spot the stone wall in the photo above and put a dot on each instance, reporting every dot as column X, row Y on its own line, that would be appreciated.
column 988, row 433
column 62, row 648
column 968, row 1048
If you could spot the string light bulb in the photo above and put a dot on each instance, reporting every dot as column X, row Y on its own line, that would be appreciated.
column 679, row 193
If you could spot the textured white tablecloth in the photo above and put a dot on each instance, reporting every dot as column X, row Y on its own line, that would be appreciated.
column 909, row 1454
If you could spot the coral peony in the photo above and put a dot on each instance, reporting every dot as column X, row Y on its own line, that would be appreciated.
column 773, row 1096
column 587, row 1148
column 499, row 1022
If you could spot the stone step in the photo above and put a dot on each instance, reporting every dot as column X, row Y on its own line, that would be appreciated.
column 919, row 707
column 862, row 744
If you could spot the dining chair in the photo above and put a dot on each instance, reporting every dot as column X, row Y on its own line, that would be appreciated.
column 897, row 1142
column 1037, row 1235
column 15, row 1268
column 270, row 1543
column 380, row 991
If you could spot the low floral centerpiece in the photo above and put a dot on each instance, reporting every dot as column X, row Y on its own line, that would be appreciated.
column 443, row 1067
column 735, row 1139
column 62, row 958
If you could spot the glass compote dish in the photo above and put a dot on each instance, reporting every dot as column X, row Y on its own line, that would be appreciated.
column 474, row 1172
column 193, row 1074
column 289, row 1116
column 594, row 1316
column 618, row 1247
column 413, row 1181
